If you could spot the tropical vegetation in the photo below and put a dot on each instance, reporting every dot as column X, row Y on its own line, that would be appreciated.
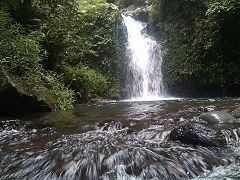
column 72, row 50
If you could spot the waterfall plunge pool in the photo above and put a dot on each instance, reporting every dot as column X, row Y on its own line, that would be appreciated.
column 117, row 140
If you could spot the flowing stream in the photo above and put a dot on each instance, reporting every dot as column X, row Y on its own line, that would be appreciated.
column 115, row 141
column 145, row 80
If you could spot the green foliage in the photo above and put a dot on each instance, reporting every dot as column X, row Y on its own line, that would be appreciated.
column 202, row 41
column 217, row 9
column 218, row 13
column 19, row 52
column 76, row 31
column 120, row 49
column 83, row 33
column 180, row 63
column 83, row 76
column 51, row 84
column 223, row 19
column 21, row 56
column 56, row 42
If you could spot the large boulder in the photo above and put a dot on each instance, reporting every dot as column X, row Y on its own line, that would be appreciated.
column 197, row 134
column 218, row 117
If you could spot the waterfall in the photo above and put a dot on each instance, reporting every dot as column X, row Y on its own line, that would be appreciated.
column 145, row 80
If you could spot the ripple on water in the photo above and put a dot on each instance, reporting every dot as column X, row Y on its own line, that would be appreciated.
column 109, row 153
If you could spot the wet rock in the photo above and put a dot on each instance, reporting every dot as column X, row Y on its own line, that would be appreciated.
column 236, row 112
column 115, row 97
column 139, row 14
column 17, row 98
column 96, row 100
column 218, row 117
column 206, row 109
column 197, row 134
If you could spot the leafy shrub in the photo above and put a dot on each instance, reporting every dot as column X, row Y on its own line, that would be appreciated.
column 202, row 42
column 21, row 57
column 83, row 33
column 49, row 35
column 87, row 78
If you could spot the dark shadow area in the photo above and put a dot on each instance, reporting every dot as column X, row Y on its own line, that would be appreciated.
column 13, row 104
column 204, row 92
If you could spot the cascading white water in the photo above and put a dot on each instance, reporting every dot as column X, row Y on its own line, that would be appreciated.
column 144, row 80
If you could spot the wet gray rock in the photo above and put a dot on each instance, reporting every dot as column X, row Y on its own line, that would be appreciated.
column 236, row 112
column 218, row 117
column 197, row 134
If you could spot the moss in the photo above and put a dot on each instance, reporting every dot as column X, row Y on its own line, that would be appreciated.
column 220, row 140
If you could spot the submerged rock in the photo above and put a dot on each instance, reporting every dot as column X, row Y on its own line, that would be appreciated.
column 197, row 134
column 218, row 117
